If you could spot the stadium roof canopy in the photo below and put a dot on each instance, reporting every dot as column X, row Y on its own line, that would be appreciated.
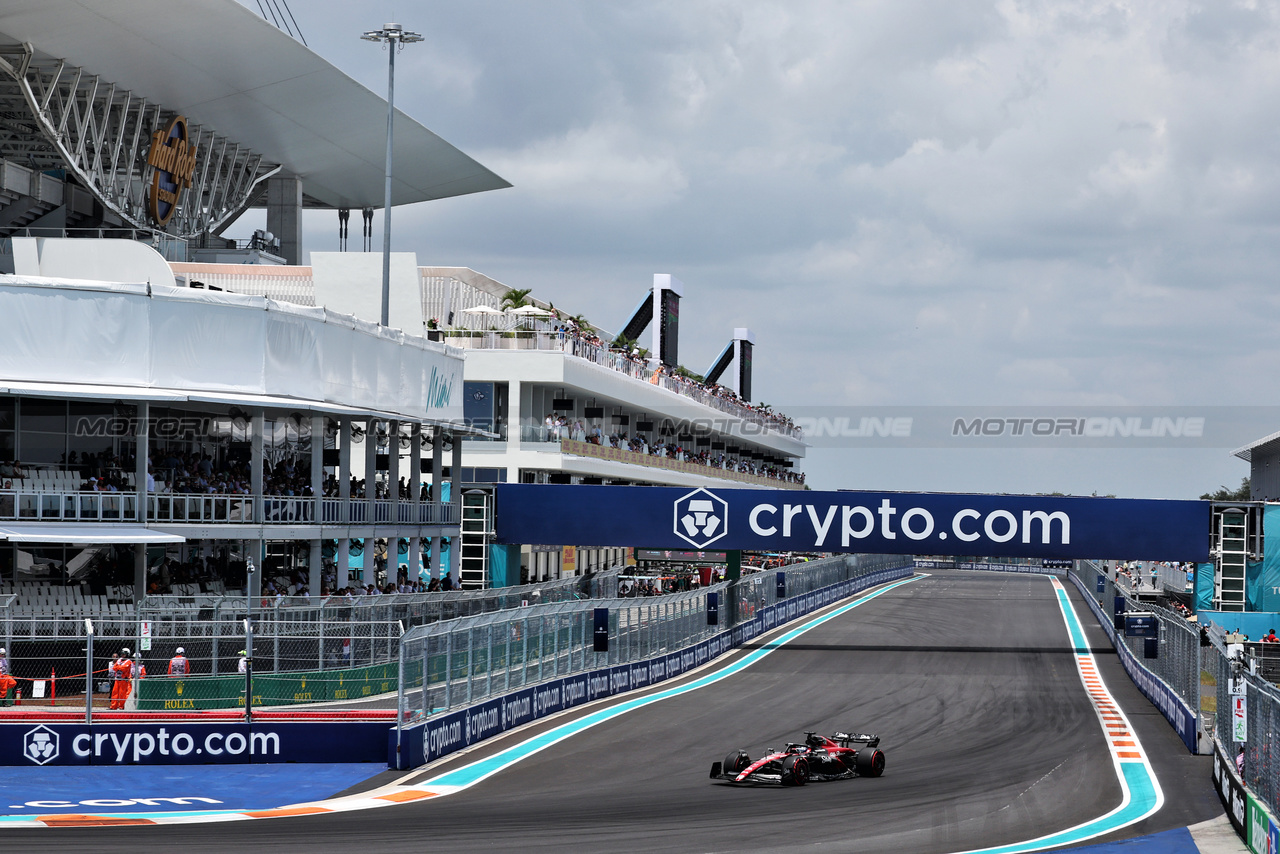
column 223, row 67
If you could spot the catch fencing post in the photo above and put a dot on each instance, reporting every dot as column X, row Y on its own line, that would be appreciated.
column 217, row 633
column 732, row 574
column 88, row 672
column 506, row 631
column 248, row 671
column 448, row 670
column 400, row 710
column 488, row 670
column 471, row 661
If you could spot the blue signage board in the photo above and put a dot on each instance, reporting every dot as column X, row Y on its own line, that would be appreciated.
column 190, row 743
column 866, row 522
column 1141, row 625
column 600, row 633
column 713, row 608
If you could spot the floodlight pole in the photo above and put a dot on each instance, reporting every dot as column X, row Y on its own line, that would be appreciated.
column 395, row 36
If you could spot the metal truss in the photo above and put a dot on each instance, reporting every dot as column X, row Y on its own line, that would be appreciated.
column 54, row 115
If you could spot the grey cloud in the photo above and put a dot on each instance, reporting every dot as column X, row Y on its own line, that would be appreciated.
column 945, row 202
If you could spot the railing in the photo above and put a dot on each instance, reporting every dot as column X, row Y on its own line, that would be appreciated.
column 292, row 635
column 206, row 509
column 49, row 648
column 621, row 362
column 1178, row 663
column 284, row 284
column 31, row 506
column 171, row 247
column 447, row 665
column 622, row 455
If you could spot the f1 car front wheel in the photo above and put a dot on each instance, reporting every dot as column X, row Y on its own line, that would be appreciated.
column 869, row 762
column 795, row 771
column 737, row 762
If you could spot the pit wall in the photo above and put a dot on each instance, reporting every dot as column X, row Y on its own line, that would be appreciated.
column 438, row 737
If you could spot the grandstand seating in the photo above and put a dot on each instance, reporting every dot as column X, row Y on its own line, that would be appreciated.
column 64, row 481
column 39, row 598
column 49, row 481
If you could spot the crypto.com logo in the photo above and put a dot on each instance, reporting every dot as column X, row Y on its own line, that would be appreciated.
column 701, row 518
column 40, row 745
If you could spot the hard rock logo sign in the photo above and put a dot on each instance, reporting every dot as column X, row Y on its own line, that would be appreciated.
column 174, row 158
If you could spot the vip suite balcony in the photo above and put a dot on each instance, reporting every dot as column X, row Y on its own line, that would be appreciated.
column 30, row 503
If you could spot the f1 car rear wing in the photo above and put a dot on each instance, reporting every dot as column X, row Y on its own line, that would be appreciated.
column 846, row 739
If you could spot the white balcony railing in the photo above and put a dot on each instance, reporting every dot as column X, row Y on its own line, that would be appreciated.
column 31, row 506
column 623, row 363
column 178, row 508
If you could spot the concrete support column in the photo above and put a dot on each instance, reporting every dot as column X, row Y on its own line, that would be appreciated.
column 317, row 470
column 514, row 426
column 393, row 479
column 415, row 558
column 284, row 215
column 143, row 439
column 344, row 563
column 315, row 576
column 415, row 472
column 415, row 500
column 257, row 553
column 455, row 498
column 139, row 571
column 437, row 472
column 370, row 477
column 344, row 469
column 256, row 463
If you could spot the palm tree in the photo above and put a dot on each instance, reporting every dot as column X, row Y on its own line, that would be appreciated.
column 515, row 298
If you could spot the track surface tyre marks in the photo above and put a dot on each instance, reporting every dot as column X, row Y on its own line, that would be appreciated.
column 967, row 677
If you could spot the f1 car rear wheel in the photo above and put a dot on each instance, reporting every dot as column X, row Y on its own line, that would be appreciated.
column 869, row 762
column 795, row 771
column 735, row 763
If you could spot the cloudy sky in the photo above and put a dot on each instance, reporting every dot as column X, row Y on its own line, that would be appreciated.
column 912, row 204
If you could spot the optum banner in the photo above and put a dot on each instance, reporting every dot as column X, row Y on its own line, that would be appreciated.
column 868, row 522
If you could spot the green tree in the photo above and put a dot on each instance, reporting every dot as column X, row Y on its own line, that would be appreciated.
column 1224, row 494
column 515, row 298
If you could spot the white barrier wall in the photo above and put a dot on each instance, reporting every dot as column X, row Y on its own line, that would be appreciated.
column 64, row 331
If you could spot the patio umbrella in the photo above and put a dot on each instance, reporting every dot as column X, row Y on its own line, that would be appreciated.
column 484, row 312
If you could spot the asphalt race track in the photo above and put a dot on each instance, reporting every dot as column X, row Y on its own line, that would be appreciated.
column 968, row 678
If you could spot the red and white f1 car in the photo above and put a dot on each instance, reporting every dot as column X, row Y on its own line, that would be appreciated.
column 840, row 757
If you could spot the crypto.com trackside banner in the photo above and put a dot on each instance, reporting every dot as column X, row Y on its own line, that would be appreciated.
column 868, row 522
